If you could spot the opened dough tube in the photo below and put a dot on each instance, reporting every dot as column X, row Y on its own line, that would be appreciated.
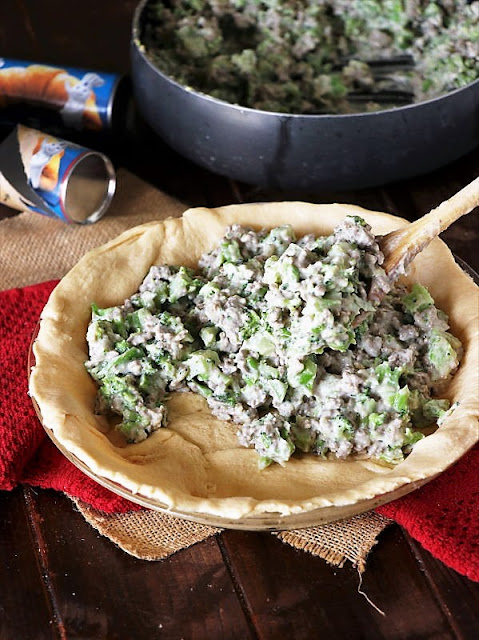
column 58, row 97
column 54, row 177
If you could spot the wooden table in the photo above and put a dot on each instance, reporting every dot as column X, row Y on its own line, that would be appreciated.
column 60, row 579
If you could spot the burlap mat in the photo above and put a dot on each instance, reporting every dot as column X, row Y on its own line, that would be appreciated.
column 35, row 249
column 151, row 535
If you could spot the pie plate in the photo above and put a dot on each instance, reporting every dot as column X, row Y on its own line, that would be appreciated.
column 194, row 468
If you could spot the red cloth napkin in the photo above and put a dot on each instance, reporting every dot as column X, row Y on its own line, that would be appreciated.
column 27, row 455
column 442, row 516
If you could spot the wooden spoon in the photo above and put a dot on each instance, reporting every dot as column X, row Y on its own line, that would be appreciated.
column 400, row 247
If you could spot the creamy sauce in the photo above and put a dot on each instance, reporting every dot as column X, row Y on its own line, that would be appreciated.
column 306, row 56
column 265, row 331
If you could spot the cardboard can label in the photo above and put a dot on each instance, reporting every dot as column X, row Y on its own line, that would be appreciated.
column 54, row 177
column 54, row 97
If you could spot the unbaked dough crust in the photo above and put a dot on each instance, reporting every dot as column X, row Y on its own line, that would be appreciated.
column 196, row 466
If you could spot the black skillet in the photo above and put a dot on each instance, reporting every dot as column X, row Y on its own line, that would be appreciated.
column 304, row 152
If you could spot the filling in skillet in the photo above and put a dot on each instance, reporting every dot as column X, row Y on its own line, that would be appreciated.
column 314, row 56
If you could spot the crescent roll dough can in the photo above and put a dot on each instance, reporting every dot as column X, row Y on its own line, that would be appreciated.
column 56, row 98
column 54, row 177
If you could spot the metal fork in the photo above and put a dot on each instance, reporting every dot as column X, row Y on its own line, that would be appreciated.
column 387, row 82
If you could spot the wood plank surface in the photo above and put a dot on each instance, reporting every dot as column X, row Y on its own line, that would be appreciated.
column 60, row 579
column 458, row 598
column 22, row 578
column 96, row 590
column 307, row 598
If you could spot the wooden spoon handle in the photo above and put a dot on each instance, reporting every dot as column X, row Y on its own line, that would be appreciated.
column 400, row 247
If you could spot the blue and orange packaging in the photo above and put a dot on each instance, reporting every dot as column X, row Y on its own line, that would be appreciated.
column 56, row 98
column 35, row 170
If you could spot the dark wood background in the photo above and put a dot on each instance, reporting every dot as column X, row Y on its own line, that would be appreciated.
column 60, row 579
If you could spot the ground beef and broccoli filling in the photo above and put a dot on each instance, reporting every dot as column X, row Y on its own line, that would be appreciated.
column 314, row 56
column 278, row 335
